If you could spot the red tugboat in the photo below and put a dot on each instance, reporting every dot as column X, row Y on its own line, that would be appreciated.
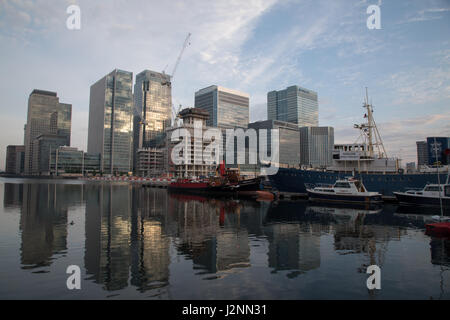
column 226, row 181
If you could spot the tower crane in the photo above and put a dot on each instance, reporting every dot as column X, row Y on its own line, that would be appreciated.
column 165, row 81
column 185, row 44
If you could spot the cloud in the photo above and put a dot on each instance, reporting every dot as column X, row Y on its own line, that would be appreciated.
column 425, row 15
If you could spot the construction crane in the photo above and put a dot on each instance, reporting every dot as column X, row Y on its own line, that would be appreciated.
column 176, row 114
column 185, row 44
column 164, row 81
column 169, row 83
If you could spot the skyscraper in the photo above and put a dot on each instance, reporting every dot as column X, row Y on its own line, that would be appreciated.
column 438, row 150
column 294, row 104
column 422, row 153
column 46, row 116
column 289, row 140
column 227, row 108
column 110, row 121
column 15, row 158
column 316, row 146
column 152, row 110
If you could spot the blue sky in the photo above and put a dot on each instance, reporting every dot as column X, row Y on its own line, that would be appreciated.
column 253, row 46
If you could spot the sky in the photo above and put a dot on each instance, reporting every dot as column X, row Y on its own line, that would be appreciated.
column 253, row 46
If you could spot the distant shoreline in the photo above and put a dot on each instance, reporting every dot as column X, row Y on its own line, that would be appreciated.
column 7, row 175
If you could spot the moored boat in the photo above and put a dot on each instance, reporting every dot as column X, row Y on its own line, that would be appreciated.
column 428, row 196
column 348, row 190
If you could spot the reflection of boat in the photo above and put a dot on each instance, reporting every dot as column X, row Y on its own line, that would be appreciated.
column 345, row 191
column 342, row 214
column 439, row 229
column 351, row 212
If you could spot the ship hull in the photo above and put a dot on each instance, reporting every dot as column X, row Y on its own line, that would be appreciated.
column 410, row 199
column 294, row 180
column 343, row 198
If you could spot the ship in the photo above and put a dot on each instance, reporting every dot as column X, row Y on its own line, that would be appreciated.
column 365, row 160
column 227, row 181
column 344, row 191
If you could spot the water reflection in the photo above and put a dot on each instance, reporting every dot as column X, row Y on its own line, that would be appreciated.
column 133, row 236
column 43, row 220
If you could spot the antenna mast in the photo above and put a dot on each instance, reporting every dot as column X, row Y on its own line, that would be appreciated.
column 370, row 133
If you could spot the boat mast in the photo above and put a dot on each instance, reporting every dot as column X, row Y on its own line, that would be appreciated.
column 369, row 131
column 369, row 122
column 439, row 179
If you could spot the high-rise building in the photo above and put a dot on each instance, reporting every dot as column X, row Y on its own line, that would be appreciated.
column 294, row 104
column 188, row 166
column 152, row 111
column 46, row 116
column 110, row 121
column 316, row 146
column 15, row 159
column 289, row 140
column 438, row 150
column 227, row 108
column 422, row 153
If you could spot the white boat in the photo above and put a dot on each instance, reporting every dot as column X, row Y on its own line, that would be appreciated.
column 428, row 196
column 348, row 190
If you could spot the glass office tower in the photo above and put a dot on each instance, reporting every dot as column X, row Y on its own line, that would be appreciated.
column 46, row 116
column 316, row 146
column 289, row 140
column 438, row 150
column 110, row 121
column 227, row 108
column 152, row 110
column 294, row 104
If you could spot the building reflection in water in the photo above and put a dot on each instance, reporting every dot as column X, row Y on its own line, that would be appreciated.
column 43, row 219
column 215, row 233
column 132, row 234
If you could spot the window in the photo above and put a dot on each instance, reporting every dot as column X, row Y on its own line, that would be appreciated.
column 432, row 188
column 342, row 185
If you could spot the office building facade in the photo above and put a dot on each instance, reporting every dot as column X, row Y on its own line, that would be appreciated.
column 43, row 146
column 422, row 153
column 289, row 140
column 294, row 104
column 438, row 150
column 15, row 159
column 110, row 132
column 227, row 108
column 188, row 167
column 316, row 146
column 46, row 116
column 69, row 161
column 152, row 111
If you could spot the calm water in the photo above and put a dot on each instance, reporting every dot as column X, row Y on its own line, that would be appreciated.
column 149, row 244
